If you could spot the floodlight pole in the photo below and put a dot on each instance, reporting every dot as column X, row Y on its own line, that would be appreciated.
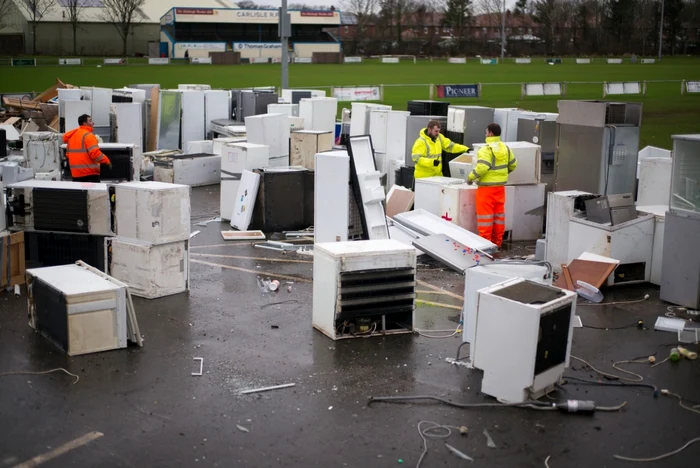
column 503, row 31
column 284, row 32
column 661, row 29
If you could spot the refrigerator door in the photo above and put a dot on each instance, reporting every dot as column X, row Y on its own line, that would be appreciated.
column 580, row 159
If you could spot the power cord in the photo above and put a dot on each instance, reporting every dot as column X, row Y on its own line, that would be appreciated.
column 41, row 373
column 639, row 324
column 638, row 378
column 646, row 296
column 426, row 434
column 660, row 457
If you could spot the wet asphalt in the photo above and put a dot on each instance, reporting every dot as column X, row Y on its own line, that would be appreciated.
column 153, row 412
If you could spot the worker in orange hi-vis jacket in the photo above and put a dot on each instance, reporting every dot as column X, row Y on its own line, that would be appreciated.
column 83, row 152
column 494, row 162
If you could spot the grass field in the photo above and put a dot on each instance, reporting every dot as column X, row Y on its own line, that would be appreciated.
column 666, row 111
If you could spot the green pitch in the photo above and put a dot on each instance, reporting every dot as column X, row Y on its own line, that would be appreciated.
column 666, row 111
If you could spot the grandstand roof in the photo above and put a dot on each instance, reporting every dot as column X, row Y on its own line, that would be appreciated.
column 93, row 10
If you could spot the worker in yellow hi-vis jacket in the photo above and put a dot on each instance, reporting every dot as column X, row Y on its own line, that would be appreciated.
column 494, row 162
column 427, row 151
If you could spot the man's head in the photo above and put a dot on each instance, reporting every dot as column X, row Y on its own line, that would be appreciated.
column 433, row 128
column 492, row 130
column 85, row 120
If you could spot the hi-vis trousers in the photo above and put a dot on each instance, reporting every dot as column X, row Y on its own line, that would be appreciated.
column 491, row 213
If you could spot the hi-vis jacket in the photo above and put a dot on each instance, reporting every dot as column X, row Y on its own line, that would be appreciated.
column 83, row 152
column 425, row 151
column 494, row 162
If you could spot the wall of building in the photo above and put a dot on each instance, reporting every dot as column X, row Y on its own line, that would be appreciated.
column 197, row 49
column 95, row 39
column 307, row 50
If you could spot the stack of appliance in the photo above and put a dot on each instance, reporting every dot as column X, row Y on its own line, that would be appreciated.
column 680, row 281
column 540, row 128
column 126, row 124
column 100, row 100
column 364, row 288
column 359, row 116
column 527, row 193
column 236, row 158
column 150, row 252
column 126, row 159
column 597, row 144
column 42, row 153
column 292, row 110
column 273, row 131
column 63, row 222
column 466, row 125
column 71, row 105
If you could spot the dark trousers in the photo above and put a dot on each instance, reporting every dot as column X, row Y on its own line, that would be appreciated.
column 90, row 178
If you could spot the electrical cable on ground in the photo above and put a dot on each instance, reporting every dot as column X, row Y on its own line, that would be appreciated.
column 459, row 348
column 630, row 325
column 646, row 296
column 638, row 378
column 546, row 461
column 454, row 332
column 680, row 401
column 40, row 373
column 660, row 457
column 614, row 384
column 536, row 405
column 425, row 435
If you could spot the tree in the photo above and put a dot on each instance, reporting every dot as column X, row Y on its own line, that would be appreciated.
column 521, row 8
column 36, row 9
column 247, row 5
column 363, row 11
column 74, row 9
column 457, row 16
column 122, row 14
column 5, row 8
column 547, row 14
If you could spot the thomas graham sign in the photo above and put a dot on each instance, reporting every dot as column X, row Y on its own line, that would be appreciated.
column 458, row 91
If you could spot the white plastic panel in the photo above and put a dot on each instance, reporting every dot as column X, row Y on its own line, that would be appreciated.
column 371, row 190
column 331, row 196
column 129, row 123
column 73, row 110
column 425, row 223
column 245, row 200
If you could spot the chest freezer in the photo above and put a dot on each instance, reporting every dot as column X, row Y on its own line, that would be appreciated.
column 152, row 211
column 77, row 310
column 363, row 288
column 236, row 158
column 150, row 270
column 195, row 170
column 429, row 193
column 292, row 110
column 631, row 243
column 59, row 207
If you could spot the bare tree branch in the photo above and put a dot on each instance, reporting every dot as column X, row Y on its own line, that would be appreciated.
column 122, row 14
column 74, row 8
column 5, row 8
column 36, row 10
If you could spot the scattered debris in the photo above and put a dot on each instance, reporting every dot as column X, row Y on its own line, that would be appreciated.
column 194, row 234
column 241, row 428
column 277, row 246
column 265, row 389
column 489, row 441
column 460, row 454
column 213, row 220
column 201, row 366
column 330, row 408
column 274, row 285
column 243, row 235
column 274, row 327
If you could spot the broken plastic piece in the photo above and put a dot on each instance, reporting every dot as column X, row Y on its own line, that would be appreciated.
column 201, row 366
column 489, row 440
column 265, row 389
column 461, row 455
column 241, row 428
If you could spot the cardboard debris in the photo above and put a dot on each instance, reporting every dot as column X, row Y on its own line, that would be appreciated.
column 42, row 113
column 398, row 200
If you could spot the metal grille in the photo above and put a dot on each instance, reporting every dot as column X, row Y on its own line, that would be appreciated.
column 60, row 210
column 615, row 113
column 47, row 249
column 376, row 292
column 355, row 230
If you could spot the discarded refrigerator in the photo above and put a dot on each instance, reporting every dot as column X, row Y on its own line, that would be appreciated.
column 428, row 107
column 319, row 113
column 561, row 207
column 150, row 270
column 429, row 193
column 483, row 276
column 359, row 116
column 528, row 158
column 680, row 283
column 194, row 170
column 235, row 159
column 466, row 125
column 305, row 144
column 285, row 200
column 271, row 130
column 364, row 288
column 534, row 322
column 245, row 103
column 42, row 151
column 36, row 205
column 126, row 162
column 152, row 211
column 77, row 310
column 597, row 145
column 540, row 128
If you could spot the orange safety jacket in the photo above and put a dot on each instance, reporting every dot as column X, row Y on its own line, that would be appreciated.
column 83, row 152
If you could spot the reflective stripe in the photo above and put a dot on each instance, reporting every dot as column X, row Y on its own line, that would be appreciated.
column 499, row 222
column 451, row 145
column 100, row 158
column 486, row 216
column 503, row 166
column 500, row 216
column 76, row 151
column 482, row 184
column 92, row 148
column 416, row 157
column 485, row 223
column 476, row 175
column 485, row 163
column 85, row 166
column 513, row 161
column 427, row 148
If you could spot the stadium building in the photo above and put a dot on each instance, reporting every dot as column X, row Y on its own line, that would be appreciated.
column 253, row 33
